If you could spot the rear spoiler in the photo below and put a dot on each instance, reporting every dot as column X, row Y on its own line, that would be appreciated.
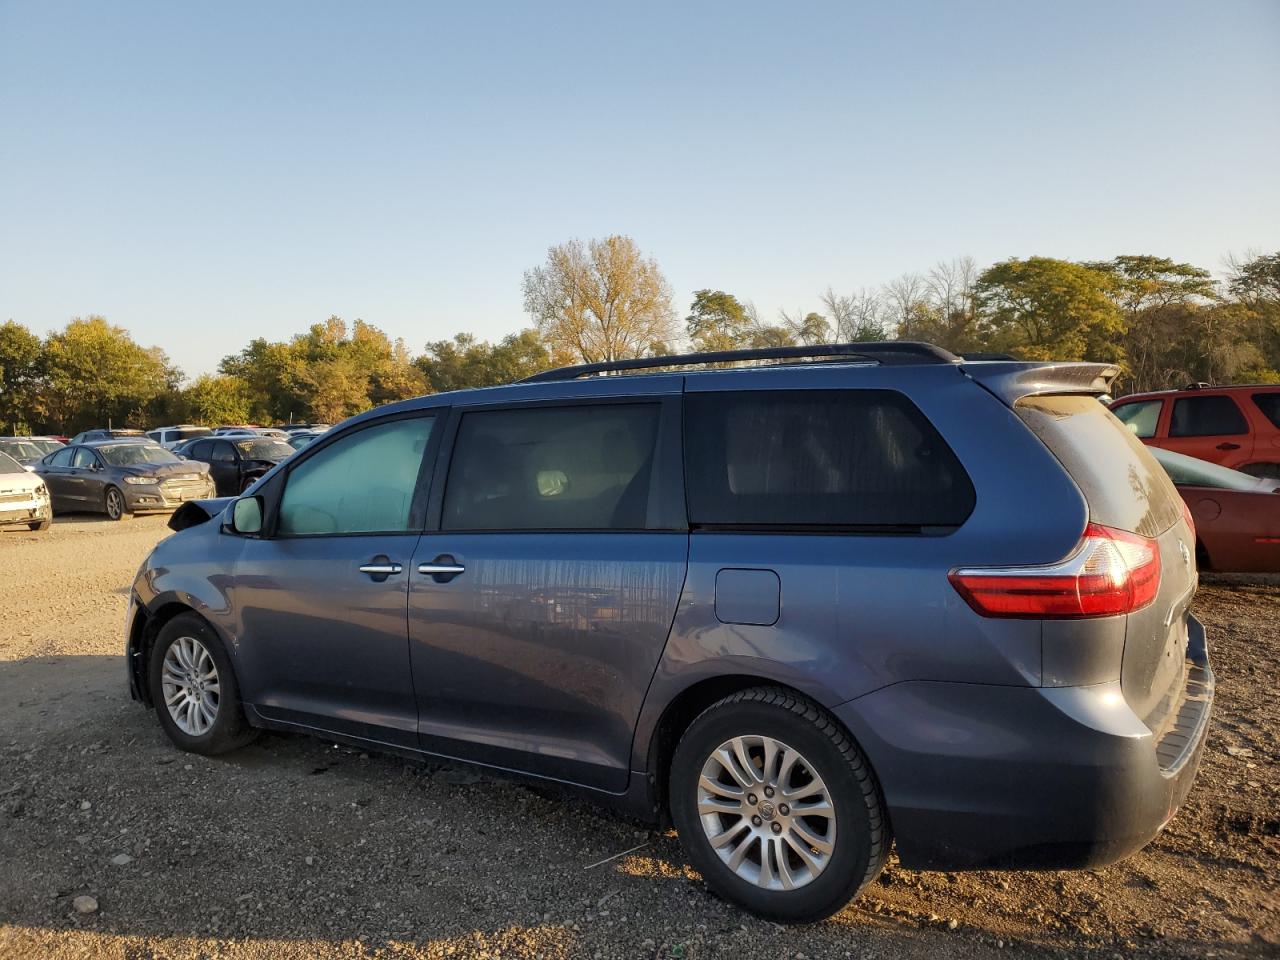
column 1010, row 381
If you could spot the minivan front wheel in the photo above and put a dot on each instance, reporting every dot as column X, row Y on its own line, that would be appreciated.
column 776, row 806
column 194, row 688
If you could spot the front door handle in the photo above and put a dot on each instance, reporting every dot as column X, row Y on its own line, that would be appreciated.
column 381, row 567
column 442, row 569
column 1228, row 446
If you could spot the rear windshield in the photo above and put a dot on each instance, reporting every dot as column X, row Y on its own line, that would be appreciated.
column 1122, row 483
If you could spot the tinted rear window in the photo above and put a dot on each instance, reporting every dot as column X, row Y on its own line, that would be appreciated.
column 1269, row 404
column 819, row 458
column 1122, row 483
column 1206, row 417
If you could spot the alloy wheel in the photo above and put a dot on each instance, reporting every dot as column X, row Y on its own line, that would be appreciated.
column 115, row 504
column 189, row 682
column 766, row 812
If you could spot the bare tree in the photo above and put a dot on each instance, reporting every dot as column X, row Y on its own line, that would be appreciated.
column 601, row 301
column 806, row 328
column 856, row 317
column 903, row 300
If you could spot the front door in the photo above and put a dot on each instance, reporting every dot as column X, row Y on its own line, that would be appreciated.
column 322, row 596
column 540, row 608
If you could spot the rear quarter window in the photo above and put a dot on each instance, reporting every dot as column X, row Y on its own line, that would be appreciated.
column 1122, row 483
column 1269, row 404
column 861, row 459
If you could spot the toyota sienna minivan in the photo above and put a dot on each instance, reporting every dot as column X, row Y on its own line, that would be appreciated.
column 803, row 602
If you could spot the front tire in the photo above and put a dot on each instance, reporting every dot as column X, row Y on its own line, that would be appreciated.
column 193, row 687
column 113, row 504
column 777, row 807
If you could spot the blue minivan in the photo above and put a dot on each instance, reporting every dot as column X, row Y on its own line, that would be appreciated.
column 803, row 602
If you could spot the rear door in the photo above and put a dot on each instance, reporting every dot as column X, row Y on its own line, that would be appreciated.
column 539, row 608
column 1211, row 427
column 224, row 465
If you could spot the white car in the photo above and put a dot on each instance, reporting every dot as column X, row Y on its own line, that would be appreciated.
column 24, row 499
column 170, row 437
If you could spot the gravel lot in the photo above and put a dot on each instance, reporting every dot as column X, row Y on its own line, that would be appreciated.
column 296, row 848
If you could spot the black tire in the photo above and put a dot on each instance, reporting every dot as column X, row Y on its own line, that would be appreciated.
column 40, row 524
column 862, row 836
column 246, row 483
column 229, row 729
column 113, row 504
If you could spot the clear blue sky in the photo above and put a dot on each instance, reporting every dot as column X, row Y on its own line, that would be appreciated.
column 206, row 173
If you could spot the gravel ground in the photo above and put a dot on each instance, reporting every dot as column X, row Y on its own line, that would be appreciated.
column 293, row 847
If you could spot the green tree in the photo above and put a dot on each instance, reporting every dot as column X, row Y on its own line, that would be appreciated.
column 216, row 398
column 21, row 357
column 465, row 362
column 717, row 321
column 603, row 300
column 97, row 375
column 1161, row 302
column 1047, row 309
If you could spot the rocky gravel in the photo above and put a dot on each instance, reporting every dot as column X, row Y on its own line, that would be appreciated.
column 112, row 843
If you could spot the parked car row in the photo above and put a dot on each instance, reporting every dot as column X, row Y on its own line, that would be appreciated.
column 118, row 471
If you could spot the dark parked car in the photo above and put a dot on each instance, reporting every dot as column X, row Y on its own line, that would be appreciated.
column 1237, row 516
column 117, row 477
column 804, row 609
column 88, row 436
column 235, row 461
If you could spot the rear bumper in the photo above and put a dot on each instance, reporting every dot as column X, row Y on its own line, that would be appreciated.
column 980, row 776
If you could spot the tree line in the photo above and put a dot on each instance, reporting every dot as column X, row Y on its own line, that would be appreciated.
column 1165, row 323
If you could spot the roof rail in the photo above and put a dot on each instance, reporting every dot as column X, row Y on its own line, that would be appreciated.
column 884, row 352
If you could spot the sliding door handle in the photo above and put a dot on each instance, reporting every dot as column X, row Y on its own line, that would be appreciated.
column 442, row 569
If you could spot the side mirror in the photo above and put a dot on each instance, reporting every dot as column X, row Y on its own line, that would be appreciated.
column 246, row 515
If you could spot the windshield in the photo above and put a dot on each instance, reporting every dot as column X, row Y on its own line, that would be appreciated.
column 10, row 465
column 21, row 449
column 1199, row 473
column 135, row 454
column 48, row 446
column 264, row 449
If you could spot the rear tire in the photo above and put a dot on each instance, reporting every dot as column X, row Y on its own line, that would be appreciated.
column 113, row 504
column 40, row 524
column 734, row 820
column 194, row 689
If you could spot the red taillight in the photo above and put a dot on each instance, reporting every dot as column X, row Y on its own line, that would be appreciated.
column 1111, row 572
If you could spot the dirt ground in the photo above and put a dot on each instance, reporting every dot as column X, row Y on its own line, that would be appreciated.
column 296, row 848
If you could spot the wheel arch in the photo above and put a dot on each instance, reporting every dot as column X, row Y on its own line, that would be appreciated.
column 682, row 709
column 142, row 639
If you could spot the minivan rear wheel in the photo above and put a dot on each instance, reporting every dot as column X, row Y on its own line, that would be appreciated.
column 194, row 688
column 776, row 806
